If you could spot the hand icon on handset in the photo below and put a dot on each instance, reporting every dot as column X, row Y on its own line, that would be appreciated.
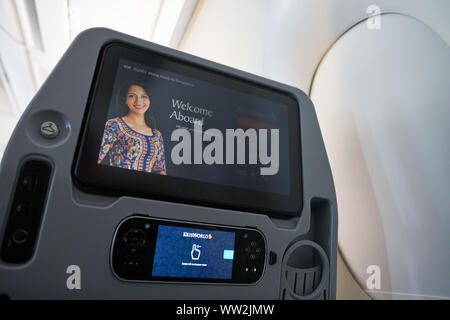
column 195, row 252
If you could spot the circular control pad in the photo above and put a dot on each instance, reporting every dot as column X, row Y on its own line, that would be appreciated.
column 135, row 238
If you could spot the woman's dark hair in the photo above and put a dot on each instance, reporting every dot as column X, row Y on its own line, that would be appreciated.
column 121, row 98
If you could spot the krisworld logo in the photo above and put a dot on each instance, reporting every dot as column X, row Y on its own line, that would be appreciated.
column 197, row 235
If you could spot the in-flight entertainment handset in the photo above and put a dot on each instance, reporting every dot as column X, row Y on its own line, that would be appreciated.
column 149, row 249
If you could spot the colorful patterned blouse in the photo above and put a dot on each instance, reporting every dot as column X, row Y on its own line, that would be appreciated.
column 125, row 148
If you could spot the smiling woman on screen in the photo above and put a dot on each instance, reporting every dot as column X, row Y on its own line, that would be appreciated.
column 130, row 141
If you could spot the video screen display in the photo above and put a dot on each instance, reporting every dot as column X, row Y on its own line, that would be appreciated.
column 166, row 123
column 193, row 253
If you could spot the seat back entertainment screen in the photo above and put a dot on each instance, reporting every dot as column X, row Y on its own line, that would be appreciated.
column 162, row 128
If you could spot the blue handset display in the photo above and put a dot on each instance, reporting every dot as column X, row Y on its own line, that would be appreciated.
column 193, row 253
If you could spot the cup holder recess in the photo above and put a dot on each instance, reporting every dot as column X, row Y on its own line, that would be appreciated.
column 305, row 271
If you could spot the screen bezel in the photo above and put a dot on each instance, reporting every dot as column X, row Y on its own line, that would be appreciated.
column 110, row 180
column 145, row 273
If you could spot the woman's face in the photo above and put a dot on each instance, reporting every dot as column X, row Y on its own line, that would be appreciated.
column 137, row 99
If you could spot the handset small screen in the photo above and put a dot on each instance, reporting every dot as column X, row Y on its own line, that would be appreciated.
column 193, row 253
